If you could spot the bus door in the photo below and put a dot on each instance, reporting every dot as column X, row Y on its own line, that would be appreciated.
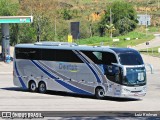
column 112, row 73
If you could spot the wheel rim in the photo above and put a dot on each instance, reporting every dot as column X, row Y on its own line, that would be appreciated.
column 101, row 93
column 42, row 87
column 33, row 86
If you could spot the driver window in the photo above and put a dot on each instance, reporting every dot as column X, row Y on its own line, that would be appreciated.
column 98, row 55
column 111, row 71
column 109, row 58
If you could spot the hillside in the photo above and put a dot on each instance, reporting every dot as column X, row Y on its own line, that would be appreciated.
column 53, row 17
column 94, row 9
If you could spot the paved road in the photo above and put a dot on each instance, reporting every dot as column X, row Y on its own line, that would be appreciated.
column 153, row 43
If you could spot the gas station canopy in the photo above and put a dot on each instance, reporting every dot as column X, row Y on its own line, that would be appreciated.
column 16, row 19
column 5, row 21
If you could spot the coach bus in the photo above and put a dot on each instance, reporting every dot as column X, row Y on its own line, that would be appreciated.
column 81, row 69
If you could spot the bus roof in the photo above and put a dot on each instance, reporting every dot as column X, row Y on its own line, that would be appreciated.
column 72, row 46
column 124, row 50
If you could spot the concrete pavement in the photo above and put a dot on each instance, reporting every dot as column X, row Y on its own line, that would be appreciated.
column 6, row 68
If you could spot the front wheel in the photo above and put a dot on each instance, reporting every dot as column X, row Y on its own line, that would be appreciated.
column 42, row 87
column 99, row 93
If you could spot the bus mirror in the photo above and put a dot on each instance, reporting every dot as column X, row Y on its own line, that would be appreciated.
column 150, row 66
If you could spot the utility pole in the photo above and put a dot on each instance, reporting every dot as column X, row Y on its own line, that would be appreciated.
column 90, row 28
column 110, row 16
column 55, row 28
column 111, row 21
column 55, row 22
column 146, row 21
column 38, row 32
column 147, row 17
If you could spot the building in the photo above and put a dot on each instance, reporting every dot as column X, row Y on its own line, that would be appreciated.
column 144, row 19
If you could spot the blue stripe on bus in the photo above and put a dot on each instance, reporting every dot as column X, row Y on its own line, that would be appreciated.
column 50, row 75
column 72, row 88
column 68, row 86
column 20, row 79
column 87, row 62
column 94, row 72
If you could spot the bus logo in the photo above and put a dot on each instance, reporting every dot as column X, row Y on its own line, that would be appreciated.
column 68, row 67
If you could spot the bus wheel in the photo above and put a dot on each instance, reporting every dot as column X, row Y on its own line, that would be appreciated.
column 32, row 86
column 42, row 87
column 99, row 93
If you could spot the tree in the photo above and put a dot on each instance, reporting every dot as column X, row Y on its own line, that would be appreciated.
column 48, row 18
column 124, row 17
column 10, row 8
column 44, row 17
column 110, row 28
column 66, row 14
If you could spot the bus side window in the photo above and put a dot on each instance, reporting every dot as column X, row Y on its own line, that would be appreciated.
column 95, row 56
column 108, row 58
column 110, row 70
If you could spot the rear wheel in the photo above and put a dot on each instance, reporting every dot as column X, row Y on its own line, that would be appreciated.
column 32, row 86
column 42, row 87
column 99, row 93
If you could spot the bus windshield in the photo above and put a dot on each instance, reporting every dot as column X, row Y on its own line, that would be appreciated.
column 130, row 58
column 135, row 76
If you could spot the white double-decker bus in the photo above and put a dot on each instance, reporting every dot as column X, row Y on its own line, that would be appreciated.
column 100, row 71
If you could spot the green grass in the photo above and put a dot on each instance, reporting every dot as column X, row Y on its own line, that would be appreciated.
column 122, row 43
column 151, row 51
column 154, row 29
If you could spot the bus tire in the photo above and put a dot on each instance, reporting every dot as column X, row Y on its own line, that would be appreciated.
column 42, row 87
column 32, row 86
column 99, row 93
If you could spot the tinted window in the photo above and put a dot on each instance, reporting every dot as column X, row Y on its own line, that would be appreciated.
column 94, row 56
column 130, row 59
column 23, row 53
column 66, row 56
column 109, row 58
column 101, row 57
column 47, row 54
column 60, row 55
column 98, row 55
